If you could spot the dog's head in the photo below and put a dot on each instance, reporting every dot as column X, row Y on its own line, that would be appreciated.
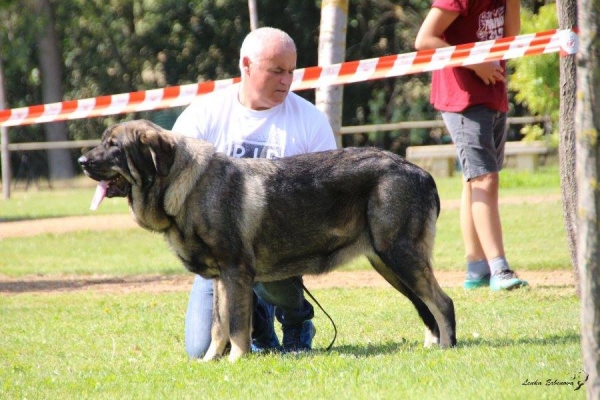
column 130, row 154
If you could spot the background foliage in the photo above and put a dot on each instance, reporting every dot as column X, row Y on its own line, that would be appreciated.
column 535, row 80
column 121, row 46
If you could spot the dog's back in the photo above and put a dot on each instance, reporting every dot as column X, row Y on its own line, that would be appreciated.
column 323, row 209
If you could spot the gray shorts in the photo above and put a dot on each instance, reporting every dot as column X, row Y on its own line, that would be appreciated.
column 479, row 134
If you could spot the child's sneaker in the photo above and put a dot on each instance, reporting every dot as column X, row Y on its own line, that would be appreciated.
column 475, row 283
column 506, row 280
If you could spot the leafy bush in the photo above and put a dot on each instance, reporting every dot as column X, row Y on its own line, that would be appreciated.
column 535, row 80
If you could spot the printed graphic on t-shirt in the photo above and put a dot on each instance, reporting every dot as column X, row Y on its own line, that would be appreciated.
column 255, row 138
column 491, row 24
column 250, row 149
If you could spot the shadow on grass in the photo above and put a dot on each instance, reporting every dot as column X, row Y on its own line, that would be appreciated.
column 568, row 338
column 370, row 350
column 31, row 218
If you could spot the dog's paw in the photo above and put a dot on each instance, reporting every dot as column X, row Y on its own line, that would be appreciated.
column 234, row 357
column 237, row 352
column 210, row 357
column 430, row 339
column 213, row 352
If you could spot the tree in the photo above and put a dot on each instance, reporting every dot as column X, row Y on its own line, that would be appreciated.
column 567, row 19
column 332, row 50
column 587, row 126
column 50, row 60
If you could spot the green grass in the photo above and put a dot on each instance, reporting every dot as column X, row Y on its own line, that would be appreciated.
column 56, row 203
column 130, row 346
column 118, row 252
column 534, row 237
column 512, row 183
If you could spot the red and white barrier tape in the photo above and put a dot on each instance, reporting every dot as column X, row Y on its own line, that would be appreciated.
column 564, row 41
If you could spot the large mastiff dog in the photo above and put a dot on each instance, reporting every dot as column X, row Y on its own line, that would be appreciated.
column 244, row 220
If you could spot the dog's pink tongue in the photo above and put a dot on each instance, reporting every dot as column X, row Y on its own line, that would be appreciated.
column 99, row 195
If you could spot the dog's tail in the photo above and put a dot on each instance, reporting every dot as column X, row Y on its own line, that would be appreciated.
column 438, row 203
column 435, row 194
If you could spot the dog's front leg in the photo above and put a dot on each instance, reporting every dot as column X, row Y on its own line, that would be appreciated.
column 237, row 285
column 232, row 315
column 220, row 323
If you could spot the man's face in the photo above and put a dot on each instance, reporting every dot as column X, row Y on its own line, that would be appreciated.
column 267, row 80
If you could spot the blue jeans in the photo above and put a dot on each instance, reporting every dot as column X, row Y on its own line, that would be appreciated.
column 290, row 309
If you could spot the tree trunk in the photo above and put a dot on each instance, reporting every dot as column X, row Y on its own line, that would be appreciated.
column 567, row 19
column 59, row 160
column 587, row 127
column 332, row 50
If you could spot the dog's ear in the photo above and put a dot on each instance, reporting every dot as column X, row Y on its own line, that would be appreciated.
column 162, row 149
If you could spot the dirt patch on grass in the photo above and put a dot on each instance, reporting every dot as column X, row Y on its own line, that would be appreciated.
column 183, row 283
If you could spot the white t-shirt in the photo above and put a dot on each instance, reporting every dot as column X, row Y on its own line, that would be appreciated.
column 293, row 127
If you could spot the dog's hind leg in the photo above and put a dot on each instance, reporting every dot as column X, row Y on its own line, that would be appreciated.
column 432, row 331
column 412, row 267
column 403, row 236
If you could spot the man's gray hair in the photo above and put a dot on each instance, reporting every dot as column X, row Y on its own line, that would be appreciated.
column 255, row 41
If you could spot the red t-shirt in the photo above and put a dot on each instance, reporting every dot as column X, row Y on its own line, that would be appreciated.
column 455, row 89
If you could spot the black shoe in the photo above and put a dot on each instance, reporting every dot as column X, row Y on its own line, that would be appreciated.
column 298, row 337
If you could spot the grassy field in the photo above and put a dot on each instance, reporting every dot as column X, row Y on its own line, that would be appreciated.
column 130, row 346
column 516, row 345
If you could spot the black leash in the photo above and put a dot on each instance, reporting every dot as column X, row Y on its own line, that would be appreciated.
column 324, row 312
